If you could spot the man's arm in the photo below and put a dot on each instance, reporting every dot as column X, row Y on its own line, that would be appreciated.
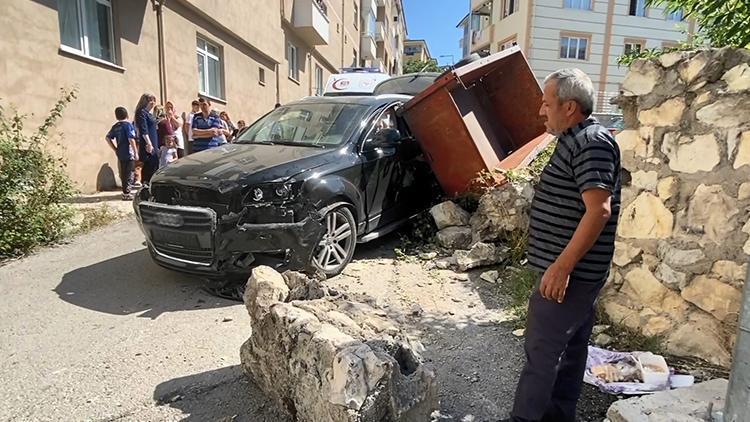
column 598, row 210
column 134, row 145
column 204, row 133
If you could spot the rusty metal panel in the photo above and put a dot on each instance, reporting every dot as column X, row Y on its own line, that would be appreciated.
column 475, row 117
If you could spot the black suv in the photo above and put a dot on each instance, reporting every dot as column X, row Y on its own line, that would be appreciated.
column 299, row 187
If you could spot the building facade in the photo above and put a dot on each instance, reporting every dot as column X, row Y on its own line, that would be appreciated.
column 243, row 57
column 588, row 34
column 416, row 50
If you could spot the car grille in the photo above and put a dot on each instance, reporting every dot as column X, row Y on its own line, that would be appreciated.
column 190, row 196
column 181, row 233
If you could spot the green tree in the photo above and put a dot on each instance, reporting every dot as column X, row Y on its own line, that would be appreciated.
column 724, row 22
column 415, row 66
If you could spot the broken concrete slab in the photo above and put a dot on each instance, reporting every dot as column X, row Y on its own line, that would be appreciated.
column 448, row 214
column 333, row 358
column 685, row 404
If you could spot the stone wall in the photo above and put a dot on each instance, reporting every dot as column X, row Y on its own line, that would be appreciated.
column 682, row 244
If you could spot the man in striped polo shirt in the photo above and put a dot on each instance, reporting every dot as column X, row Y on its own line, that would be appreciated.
column 571, row 242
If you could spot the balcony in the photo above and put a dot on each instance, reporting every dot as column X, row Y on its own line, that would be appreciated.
column 368, row 48
column 476, row 5
column 480, row 38
column 310, row 20
column 380, row 3
column 380, row 31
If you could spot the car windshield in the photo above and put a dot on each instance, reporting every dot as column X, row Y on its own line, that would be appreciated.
column 312, row 124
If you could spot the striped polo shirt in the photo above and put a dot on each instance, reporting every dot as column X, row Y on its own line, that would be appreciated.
column 586, row 157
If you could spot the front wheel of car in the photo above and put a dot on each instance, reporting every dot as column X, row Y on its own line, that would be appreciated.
column 336, row 247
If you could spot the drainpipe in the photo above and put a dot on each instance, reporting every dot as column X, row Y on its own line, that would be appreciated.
column 278, row 91
column 738, row 393
column 343, row 29
column 158, row 5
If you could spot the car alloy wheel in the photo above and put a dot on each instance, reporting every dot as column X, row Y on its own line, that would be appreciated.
column 336, row 247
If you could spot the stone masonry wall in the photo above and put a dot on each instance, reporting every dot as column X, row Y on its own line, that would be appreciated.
column 683, row 240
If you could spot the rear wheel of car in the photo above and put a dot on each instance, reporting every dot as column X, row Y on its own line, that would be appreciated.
column 336, row 247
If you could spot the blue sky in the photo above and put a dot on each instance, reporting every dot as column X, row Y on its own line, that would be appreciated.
column 435, row 21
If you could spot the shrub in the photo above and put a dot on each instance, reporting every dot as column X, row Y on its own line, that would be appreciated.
column 33, row 183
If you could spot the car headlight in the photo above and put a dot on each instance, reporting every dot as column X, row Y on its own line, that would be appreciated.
column 271, row 193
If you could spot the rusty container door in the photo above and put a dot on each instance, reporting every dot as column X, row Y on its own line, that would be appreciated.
column 475, row 117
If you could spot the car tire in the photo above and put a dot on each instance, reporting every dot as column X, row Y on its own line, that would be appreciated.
column 335, row 248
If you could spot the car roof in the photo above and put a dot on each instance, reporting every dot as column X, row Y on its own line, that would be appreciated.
column 366, row 100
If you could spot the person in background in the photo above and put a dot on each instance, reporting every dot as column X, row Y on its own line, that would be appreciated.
column 572, row 226
column 176, row 120
column 207, row 128
column 148, row 141
column 241, row 126
column 164, row 127
column 187, row 125
column 168, row 151
column 121, row 138
column 229, row 125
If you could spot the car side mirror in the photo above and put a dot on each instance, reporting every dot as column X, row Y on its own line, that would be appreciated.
column 384, row 138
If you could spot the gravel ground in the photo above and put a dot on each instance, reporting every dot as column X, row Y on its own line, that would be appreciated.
column 93, row 330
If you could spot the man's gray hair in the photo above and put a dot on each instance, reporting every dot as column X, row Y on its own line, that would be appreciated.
column 574, row 84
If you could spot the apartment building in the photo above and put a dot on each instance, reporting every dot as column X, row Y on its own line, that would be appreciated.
column 243, row 56
column 383, row 33
column 588, row 34
column 416, row 50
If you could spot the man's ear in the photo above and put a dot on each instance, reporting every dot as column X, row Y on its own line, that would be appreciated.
column 570, row 107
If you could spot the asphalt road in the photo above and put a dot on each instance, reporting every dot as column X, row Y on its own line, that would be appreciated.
column 93, row 330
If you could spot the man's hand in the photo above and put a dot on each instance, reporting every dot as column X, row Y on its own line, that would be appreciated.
column 149, row 148
column 555, row 282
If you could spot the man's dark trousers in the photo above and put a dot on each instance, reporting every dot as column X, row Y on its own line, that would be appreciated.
column 556, row 348
column 127, row 175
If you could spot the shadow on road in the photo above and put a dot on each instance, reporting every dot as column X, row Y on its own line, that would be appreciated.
column 131, row 284
column 224, row 394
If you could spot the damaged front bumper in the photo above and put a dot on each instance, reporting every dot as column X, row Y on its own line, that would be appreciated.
column 196, row 240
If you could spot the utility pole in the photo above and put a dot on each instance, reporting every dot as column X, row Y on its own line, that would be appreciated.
column 737, row 408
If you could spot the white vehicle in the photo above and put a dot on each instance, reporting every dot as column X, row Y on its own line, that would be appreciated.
column 354, row 81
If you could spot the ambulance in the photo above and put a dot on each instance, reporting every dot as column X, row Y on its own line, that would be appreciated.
column 354, row 81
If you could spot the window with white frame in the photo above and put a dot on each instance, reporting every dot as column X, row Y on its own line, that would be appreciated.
column 633, row 47
column 578, row 4
column 86, row 27
column 292, row 58
column 318, row 80
column 209, row 69
column 574, row 47
column 637, row 7
column 676, row 16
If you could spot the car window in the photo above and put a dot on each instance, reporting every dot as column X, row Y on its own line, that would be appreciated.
column 313, row 124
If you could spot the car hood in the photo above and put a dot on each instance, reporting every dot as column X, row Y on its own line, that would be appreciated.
column 242, row 164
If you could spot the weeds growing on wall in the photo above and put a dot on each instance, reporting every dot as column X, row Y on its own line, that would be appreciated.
column 33, row 183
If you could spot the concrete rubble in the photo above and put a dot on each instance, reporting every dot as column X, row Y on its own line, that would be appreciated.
column 691, row 404
column 327, row 357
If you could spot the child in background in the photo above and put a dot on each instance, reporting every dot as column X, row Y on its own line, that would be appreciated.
column 121, row 138
column 168, row 151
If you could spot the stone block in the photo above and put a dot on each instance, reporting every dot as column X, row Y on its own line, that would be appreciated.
column 702, row 98
column 678, row 258
column 729, row 271
column 646, row 218
column 455, row 237
column 742, row 158
column 481, row 254
column 620, row 311
column 625, row 253
column 691, row 404
column 710, row 212
column 675, row 280
column 641, row 78
column 670, row 59
column 630, row 140
column 690, row 69
column 657, row 325
column 701, row 336
column 643, row 288
column 264, row 288
column 743, row 192
column 645, row 180
column 666, row 115
column 727, row 112
column 737, row 78
column 501, row 211
column 448, row 214
column 691, row 154
column 719, row 299
column 667, row 187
